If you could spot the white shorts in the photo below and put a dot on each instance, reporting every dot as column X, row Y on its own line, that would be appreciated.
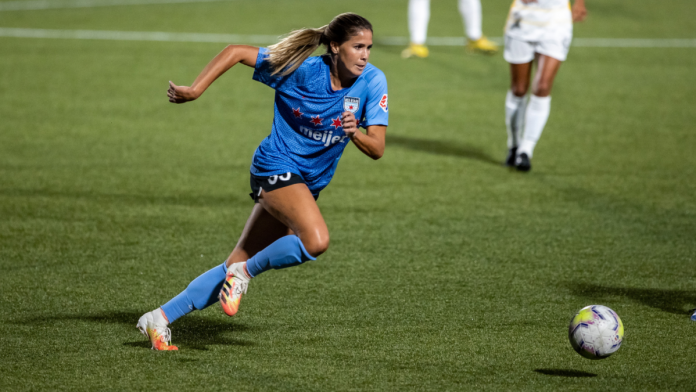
column 518, row 51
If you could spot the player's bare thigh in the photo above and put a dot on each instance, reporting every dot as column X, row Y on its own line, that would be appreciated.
column 520, row 75
column 284, row 211
column 296, row 208
column 547, row 68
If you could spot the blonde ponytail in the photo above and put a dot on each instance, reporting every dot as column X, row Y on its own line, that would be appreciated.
column 288, row 54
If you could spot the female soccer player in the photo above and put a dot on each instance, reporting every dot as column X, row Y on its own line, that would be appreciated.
column 541, row 30
column 419, row 16
column 318, row 103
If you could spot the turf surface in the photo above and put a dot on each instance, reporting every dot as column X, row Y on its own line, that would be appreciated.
column 446, row 271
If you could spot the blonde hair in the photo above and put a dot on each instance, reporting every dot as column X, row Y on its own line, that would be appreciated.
column 288, row 54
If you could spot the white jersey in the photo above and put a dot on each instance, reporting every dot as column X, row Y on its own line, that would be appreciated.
column 540, row 20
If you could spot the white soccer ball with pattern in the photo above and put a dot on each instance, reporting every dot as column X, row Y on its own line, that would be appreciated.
column 596, row 332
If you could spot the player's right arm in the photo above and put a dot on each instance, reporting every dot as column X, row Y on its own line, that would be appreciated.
column 225, row 60
column 579, row 11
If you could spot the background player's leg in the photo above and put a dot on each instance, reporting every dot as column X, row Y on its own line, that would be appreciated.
column 418, row 18
column 539, row 105
column 471, row 15
column 515, row 100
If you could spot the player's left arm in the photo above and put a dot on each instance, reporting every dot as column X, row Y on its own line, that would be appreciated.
column 579, row 11
column 371, row 143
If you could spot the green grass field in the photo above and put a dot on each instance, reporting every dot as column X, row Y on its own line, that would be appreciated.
column 446, row 271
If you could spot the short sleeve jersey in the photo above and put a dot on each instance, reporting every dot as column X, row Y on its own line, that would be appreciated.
column 307, row 136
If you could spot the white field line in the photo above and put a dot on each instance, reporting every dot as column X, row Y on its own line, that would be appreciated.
column 31, row 5
column 270, row 39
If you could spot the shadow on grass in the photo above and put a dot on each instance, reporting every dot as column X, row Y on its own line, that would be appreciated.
column 442, row 147
column 564, row 373
column 193, row 332
column 671, row 301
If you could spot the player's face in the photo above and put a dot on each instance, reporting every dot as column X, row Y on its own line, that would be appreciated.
column 354, row 53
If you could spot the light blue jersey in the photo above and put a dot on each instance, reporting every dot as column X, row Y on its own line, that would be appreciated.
column 307, row 137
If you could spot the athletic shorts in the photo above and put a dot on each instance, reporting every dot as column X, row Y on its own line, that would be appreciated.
column 272, row 183
column 518, row 51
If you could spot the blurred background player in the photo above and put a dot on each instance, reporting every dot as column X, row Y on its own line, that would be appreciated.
column 538, row 30
column 419, row 16
column 318, row 103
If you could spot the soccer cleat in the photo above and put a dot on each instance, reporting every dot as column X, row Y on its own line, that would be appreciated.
column 235, row 285
column 160, row 336
column 523, row 163
column 415, row 50
column 510, row 160
column 693, row 316
column 482, row 45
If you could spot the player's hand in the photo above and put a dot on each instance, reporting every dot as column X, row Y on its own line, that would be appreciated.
column 180, row 94
column 529, row 1
column 579, row 11
column 349, row 124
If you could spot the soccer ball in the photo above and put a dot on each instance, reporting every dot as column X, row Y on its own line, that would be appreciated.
column 596, row 332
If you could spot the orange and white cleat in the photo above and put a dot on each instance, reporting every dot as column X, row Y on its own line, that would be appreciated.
column 235, row 285
column 154, row 326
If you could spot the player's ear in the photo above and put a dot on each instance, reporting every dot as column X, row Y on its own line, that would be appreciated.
column 334, row 47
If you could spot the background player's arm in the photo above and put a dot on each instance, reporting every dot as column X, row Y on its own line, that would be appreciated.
column 229, row 56
column 579, row 11
column 370, row 143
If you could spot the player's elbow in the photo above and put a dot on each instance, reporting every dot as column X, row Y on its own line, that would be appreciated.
column 375, row 155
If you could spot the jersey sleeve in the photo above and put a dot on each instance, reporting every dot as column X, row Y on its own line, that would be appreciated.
column 263, row 71
column 376, row 107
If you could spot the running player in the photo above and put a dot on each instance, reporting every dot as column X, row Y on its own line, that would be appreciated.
column 538, row 30
column 419, row 16
column 319, row 103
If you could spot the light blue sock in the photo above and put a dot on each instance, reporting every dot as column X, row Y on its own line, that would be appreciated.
column 286, row 252
column 199, row 294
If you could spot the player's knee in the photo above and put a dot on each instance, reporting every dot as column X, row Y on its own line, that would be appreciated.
column 519, row 89
column 542, row 89
column 316, row 244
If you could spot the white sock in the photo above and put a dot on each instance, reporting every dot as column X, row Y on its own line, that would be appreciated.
column 514, row 118
column 158, row 317
column 238, row 269
column 537, row 113
column 418, row 18
column 471, row 14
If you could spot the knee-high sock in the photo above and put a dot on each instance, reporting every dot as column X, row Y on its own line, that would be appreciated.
column 418, row 18
column 199, row 294
column 514, row 118
column 537, row 113
column 286, row 252
column 471, row 14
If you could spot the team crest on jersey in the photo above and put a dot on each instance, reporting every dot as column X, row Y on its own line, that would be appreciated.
column 351, row 104
column 383, row 103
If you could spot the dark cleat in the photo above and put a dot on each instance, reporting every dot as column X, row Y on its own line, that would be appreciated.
column 523, row 163
column 510, row 160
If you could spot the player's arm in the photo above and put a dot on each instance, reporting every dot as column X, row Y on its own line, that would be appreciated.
column 579, row 11
column 370, row 143
column 225, row 60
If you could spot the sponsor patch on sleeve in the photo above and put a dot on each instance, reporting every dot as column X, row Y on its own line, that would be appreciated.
column 383, row 103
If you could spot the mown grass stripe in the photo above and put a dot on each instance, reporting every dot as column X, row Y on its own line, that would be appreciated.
column 269, row 39
column 32, row 5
